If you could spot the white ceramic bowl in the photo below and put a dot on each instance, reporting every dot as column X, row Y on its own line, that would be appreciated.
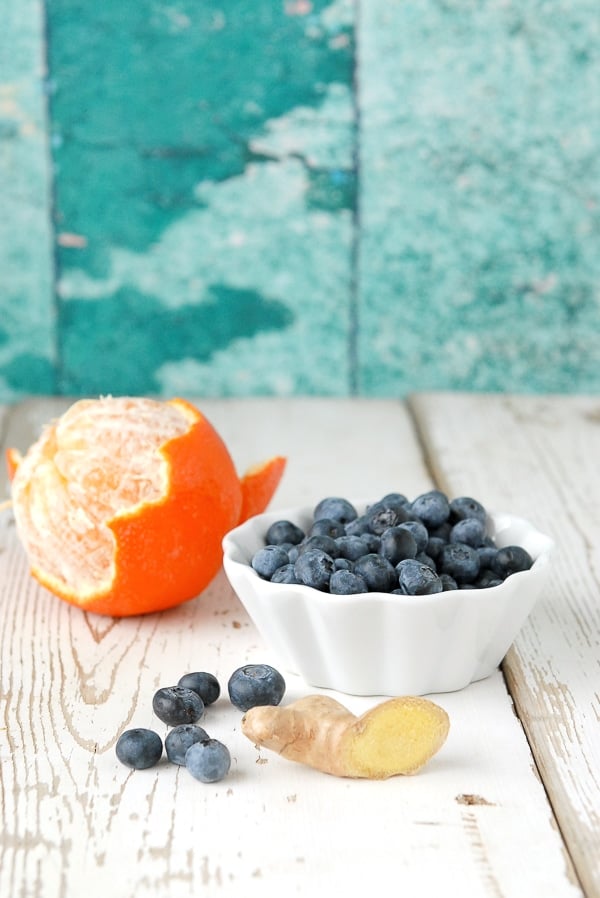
column 379, row 644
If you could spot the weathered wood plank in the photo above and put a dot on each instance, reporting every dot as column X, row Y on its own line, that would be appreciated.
column 27, row 325
column 538, row 457
column 231, row 271
column 478, row 815
column 472, row 209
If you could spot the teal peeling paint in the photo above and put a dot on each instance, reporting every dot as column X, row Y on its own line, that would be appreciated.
column 29, row 374
column 239, row 211
column 164, row 112
column 152, row 99
column 331, row 190
column 479, row 197
column 120, row 341
column 27, row 347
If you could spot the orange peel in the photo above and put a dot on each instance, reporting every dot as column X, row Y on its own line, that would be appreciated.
column 122, row 503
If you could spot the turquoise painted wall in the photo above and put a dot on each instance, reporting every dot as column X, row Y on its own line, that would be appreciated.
column 287, row 197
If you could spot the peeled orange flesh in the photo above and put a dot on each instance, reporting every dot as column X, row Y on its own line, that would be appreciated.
column 122, row 503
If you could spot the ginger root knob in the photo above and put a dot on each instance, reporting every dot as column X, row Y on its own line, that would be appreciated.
column 395, row 737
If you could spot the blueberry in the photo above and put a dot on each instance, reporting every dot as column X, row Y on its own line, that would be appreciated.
column 373, row 541
column 255, row 684
column 442, row 532
column 434, row 546
column 376, row 571
column 397, row 543
column 324, row 543
column 208, row 761
column 417, row 579
column 176, row 704
column 447, row 537
column 285, row 574
column 284, row 532
column 470, row 531
column 347, row 583
column 337, row 508
column 179, row 740
column 314, row 568
column 486, row 554
column 358, row 526
column 395, row 500
column 419, row 531
column 266, row 560
column 139, row 748
column 432, row 508
column 205, row 684
column 381, row 516
column 424, row 558
column 466, row 507
column 460, row 561
column 343, row 564
column 487, row 578
column 352, row 547
column 327, row 527
column 511, row 559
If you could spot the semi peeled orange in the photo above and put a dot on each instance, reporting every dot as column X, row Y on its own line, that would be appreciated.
column 122, row 503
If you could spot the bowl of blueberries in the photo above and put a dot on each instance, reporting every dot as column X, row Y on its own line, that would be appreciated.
column 388, row 597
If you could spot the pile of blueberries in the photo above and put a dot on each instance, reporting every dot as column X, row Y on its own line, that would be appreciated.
column 419, row 547
column 182, row 706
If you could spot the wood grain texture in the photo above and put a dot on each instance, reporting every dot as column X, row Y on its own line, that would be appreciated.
column 474, row 822
column 538, row 457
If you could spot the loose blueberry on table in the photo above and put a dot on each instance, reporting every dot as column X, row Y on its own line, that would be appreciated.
column 175, row 705
column 345, row 553
column 255, row 684
column 186, row 744
column 205, row 684
column 182, row 737
column 139, row 748
column 208, row 760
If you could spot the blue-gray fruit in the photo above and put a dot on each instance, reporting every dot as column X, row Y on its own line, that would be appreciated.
column 205, row 684
column 418, row 579
column 139, row 748
column 347, row 583
column 175, row 705
column 460, row 561
column 314, row 568
column 208, row 761
column 180, row 738
column 284, row 532
column 432, row 508
column 255, row 684
column 510, row 560
column 266, row 560
column 335, row 507
column 377, row 572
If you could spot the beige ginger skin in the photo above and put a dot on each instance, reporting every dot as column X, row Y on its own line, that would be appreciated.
column 395, row 737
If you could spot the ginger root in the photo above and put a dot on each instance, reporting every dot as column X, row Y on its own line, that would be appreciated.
column 397, row 736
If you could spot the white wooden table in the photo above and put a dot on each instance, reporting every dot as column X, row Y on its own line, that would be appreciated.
column 510, row 806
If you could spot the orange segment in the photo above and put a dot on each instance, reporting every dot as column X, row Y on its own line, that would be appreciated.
column 122, row 504
column 259, row 484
